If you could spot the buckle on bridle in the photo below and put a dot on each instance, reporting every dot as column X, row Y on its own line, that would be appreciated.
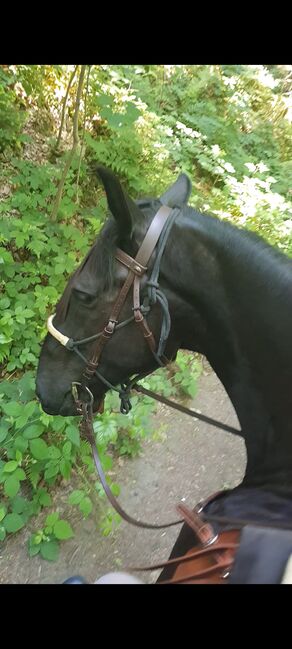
column 110, row 328
column 78, row 400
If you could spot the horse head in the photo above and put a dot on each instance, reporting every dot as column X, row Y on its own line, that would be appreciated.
column 92, row 292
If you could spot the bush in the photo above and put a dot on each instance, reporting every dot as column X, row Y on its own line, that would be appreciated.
column 12, row 113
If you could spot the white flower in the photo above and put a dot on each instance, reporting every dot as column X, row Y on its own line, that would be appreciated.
column 215, row 149
column 188, row 131
column 228, row 167
column 250, row 166
column 262, row 167
column 271, row 180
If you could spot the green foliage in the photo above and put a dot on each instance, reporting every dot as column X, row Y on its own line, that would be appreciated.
column 36, row 259
column 12, row 115
column 125, row 434
column 79, row 497
column 27, row 457
column 186, row 372
column 109, row 522
column 38, row 449
column 46, row 540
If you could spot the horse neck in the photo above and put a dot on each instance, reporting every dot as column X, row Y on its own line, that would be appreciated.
column 233, row 303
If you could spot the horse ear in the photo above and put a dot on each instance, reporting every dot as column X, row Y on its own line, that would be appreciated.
column 178, row 194
column 122, row 208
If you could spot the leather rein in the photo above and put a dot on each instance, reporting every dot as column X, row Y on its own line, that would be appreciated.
column 156, row 235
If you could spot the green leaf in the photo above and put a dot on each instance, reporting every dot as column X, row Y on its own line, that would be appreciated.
column 29, row 408
column 18, row 456
column 33, row 431
column 65, row 468
column 4, row 432
column 67, row 448
column 73, row 435
column 132, row 113
column 20, row 444
column 19, row 474
column 19, row 505
column 52, row 470
column 28, row 313
column 3, row 511
column 11, row 486
column 48, row 530
column 33, row 550
column 54, row 453
column 12, row 365
column 4, row 340
column 63, row 530
column 85, row 506
column 35, row 539
column 104, row 100
column 13, row 522
column 34, row 474
column 39, row 449
column 44, row 498
column 49, row 550
column 4, row 303
column 10, row 466
column 52, row 519
column 75, row 497
column 115, row 489
column 59, row 423
column 107, row 462
column 2, row 533
column 13, row 409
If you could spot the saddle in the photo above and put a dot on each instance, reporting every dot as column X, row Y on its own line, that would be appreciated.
column 233, row 551
column 251, row 555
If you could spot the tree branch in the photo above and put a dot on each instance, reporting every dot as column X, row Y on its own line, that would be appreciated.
column 74, row 146
column 64, row 107
column 83, row 133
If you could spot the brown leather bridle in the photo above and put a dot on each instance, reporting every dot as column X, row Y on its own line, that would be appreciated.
column 136, row 267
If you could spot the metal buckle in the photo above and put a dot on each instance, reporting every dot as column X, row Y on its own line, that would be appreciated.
column 225, row 574
column 110, row 327
column 212, row 540
column 75, row 394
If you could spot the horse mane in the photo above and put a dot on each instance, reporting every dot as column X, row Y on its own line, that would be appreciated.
column 248, row 246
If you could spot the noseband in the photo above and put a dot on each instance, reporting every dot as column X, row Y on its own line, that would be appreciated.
column 158, row 232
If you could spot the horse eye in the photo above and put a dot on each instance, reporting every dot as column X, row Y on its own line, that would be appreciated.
column 84, row 297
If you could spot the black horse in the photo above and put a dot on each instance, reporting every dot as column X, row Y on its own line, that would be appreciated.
column 229, row 295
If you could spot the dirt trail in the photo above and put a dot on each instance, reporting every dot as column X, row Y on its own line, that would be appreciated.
column 192, row 461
